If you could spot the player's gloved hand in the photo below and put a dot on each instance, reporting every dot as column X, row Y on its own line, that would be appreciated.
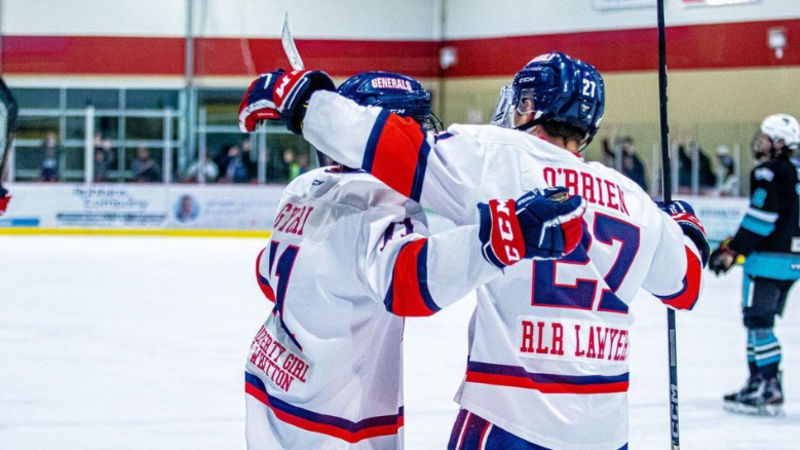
column 281, row 95
column 723, row 258
column 4, row 199
column 683, row 213
column 538, row 225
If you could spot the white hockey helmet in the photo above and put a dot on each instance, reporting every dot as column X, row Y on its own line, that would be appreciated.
column 782, row 127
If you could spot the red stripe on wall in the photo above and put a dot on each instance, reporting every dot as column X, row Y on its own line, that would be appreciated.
column 730, row 45
column 213, row 56
column 338, row 58
column 86, row 55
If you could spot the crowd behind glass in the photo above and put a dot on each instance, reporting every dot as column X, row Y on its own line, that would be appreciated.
column 129, row 142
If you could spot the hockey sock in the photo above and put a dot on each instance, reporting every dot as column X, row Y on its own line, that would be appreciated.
column 751, row 355
column 767, row 351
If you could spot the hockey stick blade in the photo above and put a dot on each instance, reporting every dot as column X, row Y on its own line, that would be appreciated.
column 289, row 47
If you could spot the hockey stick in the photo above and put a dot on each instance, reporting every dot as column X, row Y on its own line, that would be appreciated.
column 296, row 61
column 8, row 127
column 666, row 168
column 288, row 46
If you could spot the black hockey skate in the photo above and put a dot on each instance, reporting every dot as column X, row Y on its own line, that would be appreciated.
column 760, row 397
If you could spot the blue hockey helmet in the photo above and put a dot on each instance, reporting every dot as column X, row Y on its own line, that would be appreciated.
column 397, row 93
column 554, row 87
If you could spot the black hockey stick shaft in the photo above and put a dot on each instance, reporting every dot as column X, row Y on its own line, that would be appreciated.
column 8, row 128
column 666, row 167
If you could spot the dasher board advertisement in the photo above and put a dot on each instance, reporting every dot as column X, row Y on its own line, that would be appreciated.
column 623, row 4
column 717, row 2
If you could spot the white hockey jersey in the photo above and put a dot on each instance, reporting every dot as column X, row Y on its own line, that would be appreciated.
column 549, row 341
column 325, row 370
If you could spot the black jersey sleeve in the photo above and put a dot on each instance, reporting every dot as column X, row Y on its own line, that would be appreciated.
column 765, row 205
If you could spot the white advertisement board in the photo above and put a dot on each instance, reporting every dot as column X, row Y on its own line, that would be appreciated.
column 216, row 207
column 623, row 4
column 119, row 206
column 720, row 216
column 716, row 2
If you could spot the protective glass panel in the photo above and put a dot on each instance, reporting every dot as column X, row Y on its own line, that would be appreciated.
column 151, row 99
column 99, row 98
column 37, row 98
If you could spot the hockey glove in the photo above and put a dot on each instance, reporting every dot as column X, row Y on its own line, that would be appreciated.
column 539, row 225
column 281, row 96
column 683, row 213
column 723, row 258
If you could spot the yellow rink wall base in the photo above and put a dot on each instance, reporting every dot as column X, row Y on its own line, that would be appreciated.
column 35, row 231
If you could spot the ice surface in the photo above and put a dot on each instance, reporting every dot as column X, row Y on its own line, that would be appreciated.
column 139, row 343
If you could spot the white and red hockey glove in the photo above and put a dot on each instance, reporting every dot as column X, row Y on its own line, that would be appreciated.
column 281, row 96
column 683, row 213
column 538, row 225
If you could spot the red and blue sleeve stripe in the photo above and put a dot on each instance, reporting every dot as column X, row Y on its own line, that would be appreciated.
column 687, row 297
column 263, row 282
column 513, row 376
column 408, row 294
column 337, row 427
column 397, row 154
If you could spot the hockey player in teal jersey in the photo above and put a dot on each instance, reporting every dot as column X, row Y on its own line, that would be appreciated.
column 769, row 236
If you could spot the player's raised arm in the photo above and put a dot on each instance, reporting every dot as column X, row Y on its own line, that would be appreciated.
column 397, row 150
column 676, row 273
column 417, row 275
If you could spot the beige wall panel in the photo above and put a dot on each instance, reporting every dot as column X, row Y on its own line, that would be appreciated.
column 713, row 107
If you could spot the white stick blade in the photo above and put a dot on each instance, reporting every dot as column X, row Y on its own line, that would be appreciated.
column 289, row 47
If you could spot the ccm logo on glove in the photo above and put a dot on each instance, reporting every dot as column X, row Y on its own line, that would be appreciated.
column 539, row 225
column 506, row 233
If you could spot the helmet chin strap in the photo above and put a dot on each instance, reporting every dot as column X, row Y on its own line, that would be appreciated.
column 538, row 121
column 528, row 125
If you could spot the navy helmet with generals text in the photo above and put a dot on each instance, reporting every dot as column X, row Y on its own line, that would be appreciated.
column 397, row 93
column 559, row 89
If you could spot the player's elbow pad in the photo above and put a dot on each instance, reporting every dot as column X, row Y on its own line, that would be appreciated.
column 408, row 294
column 686, row 298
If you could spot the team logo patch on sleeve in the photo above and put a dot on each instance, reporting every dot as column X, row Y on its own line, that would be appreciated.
column 764, row 174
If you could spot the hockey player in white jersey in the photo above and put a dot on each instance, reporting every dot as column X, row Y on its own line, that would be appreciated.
column 348, row 260
column 548, row 364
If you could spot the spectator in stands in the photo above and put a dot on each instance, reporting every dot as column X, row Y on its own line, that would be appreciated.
column 249, row 155
column 292, row 166
column 209, row 168
column 726, row 174
column 706, row 178
column 52, row 153
column 632, row 166
column 302, row 161
column 221, row 160
column 236, row 170
column 102, row 162
column 101, row 165
column 145, row 169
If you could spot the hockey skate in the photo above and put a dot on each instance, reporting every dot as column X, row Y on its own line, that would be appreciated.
column 759, row 397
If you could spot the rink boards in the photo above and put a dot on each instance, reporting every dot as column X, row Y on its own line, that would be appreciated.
column 210, row 210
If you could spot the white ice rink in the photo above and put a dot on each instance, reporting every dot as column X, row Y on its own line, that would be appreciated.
column 140, row 343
